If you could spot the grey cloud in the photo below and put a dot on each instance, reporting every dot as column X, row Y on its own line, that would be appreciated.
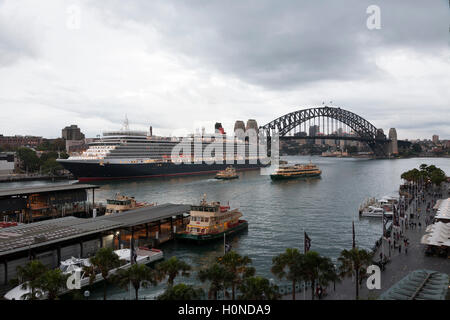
column 280, row 45
column 16, row 41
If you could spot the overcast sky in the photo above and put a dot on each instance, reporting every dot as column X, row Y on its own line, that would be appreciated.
column 181, row 65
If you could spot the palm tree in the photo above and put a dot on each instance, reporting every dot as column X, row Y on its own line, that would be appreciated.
column 171, row 268
column 238, row 266
column 258, row 288
column 138, row 274
column 182, row 292
column 104, row 260
column 317, row 268
column 218, row 276
column 354, row 262
column 52, row 282
column 29, row 276
column 291, row 260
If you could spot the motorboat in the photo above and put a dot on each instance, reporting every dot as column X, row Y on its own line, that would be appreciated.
column 374, row 212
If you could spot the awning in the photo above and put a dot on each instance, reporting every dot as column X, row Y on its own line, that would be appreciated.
column 419, row 285
column 437, row 234
column 443, row 210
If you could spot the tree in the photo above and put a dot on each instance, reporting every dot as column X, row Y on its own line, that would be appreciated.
column 258, row 288
column 288, row 265
column 354, row 262
column 182, row 292
column 28, row 158
column 317, row 268
column 238, row 266
column 171, row 268
column 52, row 282
column 29, row 276
column 51, row 166
column 218, row 276
column 48, row 155
column 138, row 275
column 104, row 260
column 416, row 148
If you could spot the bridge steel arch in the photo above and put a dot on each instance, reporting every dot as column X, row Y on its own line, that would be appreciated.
column 366, row 131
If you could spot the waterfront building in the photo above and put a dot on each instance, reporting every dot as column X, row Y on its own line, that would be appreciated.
column 30, row 204
column 18, row 141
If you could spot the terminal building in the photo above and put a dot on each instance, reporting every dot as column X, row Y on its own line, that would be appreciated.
column 52, row 241
column 31, row 204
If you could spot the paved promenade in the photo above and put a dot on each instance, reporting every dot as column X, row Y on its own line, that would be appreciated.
column 400, row 264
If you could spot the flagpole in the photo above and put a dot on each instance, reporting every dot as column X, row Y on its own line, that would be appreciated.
column 304, row 248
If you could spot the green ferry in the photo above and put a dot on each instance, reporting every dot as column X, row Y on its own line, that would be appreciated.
column 296, row 171
column 211, row 221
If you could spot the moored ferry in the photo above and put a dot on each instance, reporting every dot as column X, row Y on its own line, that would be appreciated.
column 296, row 171
column 122, row 203
column 211, row 221
column 125, row 154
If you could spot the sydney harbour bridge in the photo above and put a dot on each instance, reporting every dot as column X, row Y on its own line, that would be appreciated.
column 331, row 123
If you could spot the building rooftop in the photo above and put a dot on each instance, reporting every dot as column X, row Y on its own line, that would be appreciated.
column 33, row 235
column 44, row 189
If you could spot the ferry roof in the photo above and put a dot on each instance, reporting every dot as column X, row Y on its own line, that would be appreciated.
column 43, row 233
column 44, row 189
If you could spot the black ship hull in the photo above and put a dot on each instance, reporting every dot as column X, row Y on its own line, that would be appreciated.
column 91, row 171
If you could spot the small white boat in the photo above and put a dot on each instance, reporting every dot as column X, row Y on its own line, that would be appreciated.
column 374, row 212
column 73, row 265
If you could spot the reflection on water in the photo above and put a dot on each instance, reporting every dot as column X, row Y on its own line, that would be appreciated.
column 278, row 213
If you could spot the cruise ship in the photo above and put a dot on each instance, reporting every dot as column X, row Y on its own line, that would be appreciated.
column 127, row 154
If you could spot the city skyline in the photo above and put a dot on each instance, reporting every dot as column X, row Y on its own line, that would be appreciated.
column 179, row 68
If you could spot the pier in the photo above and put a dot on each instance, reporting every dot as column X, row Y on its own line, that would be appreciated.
column 52, row 241
column 25, row 205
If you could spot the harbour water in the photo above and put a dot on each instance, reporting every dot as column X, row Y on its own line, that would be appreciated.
column 278, row 212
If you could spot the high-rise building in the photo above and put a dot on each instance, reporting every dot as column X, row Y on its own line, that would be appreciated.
column 72, row 133
column 313, row 132
column 435, row 139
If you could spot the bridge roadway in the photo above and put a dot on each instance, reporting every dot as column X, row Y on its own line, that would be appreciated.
column 333, row 137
